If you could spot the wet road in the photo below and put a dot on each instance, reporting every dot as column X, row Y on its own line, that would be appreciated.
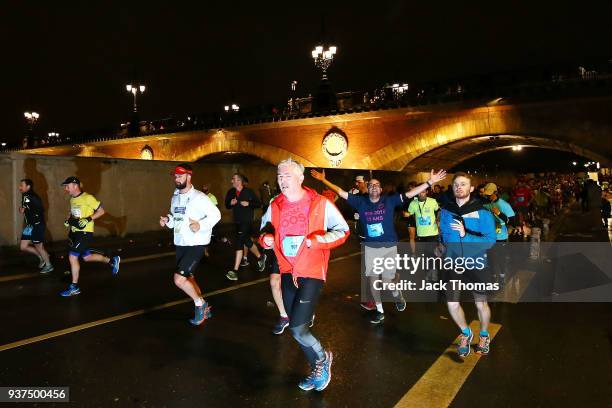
column 543, row 355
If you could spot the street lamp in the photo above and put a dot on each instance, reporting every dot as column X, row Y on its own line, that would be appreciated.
column 323, row 58
column 31, row 118
column 233, row 107
column 133, row 89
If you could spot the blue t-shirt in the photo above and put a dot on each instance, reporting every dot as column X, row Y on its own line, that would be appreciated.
column 376, row 218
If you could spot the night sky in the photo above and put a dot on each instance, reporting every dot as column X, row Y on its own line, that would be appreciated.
column 71, row 64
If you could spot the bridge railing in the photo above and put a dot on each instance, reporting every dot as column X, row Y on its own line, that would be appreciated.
column 556, row 85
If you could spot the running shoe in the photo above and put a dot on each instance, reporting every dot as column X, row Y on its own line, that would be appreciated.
column 369, row 305
column 312, row 321
column 201, row 313
column 232, row 275
column 115, row 264
column 307, row 383
column 283, row 323
column 463, row 349
column 322, row 372
column 245, row 262
column 400, row 302
column 261, row 263
column 41, row 262
column 483, row 345
column 377, row 317
column 72, row 290
column 47, row 268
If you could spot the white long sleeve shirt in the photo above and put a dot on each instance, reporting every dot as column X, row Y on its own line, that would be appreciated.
column 193, row 205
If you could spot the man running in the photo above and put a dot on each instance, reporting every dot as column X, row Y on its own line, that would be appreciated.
column 468, row 230
column 503, row 214
column 33, row 234
column 376, row 213
column 425, row 210
column 243, row 201
column 306, row 227
column 192, row 216
column 84, row 210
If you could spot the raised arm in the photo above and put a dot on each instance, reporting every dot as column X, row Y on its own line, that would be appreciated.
column 321, row 177
column 433, row 179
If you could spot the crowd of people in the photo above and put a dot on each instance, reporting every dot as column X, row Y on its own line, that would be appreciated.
column 299, row 227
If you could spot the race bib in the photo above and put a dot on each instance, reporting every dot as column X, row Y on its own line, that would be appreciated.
column 291, row 244
column 375, row 230
column 76, row 212
column 27, row 230
column 424, row 221
column 178, row 221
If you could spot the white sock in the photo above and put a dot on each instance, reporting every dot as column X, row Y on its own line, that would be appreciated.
column 380, row 308
column 199, row 302
column 284, row 315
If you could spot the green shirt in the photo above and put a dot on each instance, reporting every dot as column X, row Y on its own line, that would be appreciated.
column 425, row 215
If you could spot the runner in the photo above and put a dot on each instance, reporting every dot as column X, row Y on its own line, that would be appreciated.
column 467, row 228
column 425, row 211
column 503, row 214
column 192, row 216
column 243, row 201
column 84, row 210
column 33, row 234
column 376, row 214
column 306, row 226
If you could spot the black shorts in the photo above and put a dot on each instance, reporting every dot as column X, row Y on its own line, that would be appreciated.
column 34, row 233
column 274, row 269
column 79, row 243
column 244, row 231
column 188, row 258
column 411, row 221
column 469, row 276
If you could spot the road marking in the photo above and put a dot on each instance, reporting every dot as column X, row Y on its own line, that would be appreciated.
column 123, row 261
column 442, row 381
column 140, row 312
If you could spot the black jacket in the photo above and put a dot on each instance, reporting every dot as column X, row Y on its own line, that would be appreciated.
column 34, row 212
column 242, row 214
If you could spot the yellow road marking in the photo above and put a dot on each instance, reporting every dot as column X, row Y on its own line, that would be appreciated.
column 442, row 381
column 111, row 319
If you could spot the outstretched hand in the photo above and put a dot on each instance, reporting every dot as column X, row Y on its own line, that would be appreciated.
column 318, row 175
column 437, row 177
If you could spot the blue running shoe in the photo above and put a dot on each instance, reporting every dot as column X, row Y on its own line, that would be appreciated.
column 115, row 264
column 280, row 327
column 307, row 383
column 322, row 372
column 201, row 313
column 72, row 290
column 463, row 349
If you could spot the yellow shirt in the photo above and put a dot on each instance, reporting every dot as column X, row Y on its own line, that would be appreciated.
column 83, row 206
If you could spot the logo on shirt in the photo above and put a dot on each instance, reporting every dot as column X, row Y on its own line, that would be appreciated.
column 179, row 210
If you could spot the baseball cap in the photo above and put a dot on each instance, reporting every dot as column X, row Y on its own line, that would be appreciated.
column 71, row 179
column 183, row 169
column 490, row 188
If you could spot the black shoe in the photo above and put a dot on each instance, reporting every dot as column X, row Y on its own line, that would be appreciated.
column 377, row 317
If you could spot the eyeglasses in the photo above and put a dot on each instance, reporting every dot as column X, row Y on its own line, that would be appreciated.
column 372, row 185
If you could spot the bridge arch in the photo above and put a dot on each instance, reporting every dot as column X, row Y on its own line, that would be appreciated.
column 222, row 142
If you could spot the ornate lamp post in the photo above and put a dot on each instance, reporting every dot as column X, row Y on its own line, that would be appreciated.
column 31, row 118
column 133, row 89
column 323, row 58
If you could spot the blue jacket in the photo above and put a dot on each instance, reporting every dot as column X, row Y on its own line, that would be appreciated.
column 479, row 225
